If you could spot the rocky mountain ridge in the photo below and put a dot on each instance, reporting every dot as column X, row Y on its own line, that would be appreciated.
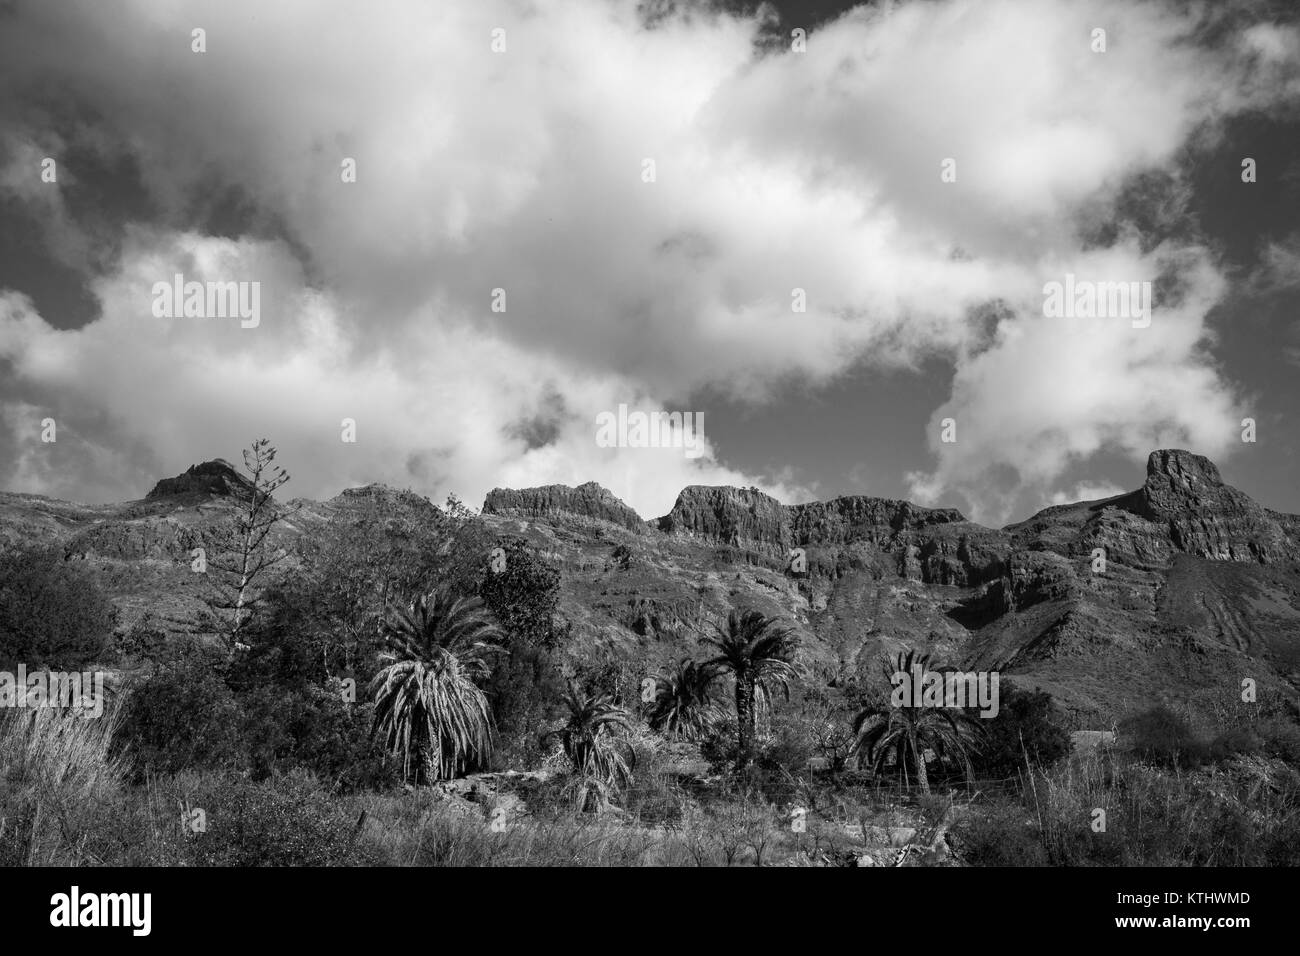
column 1198, row 584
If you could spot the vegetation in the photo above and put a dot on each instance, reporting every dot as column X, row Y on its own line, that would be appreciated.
column 603, row 762
column 236, row 575
column 412, row 695
column 52, row 612
column 429, row 706
column 1026, row 732
column 759, row 656
column 910, row 735
column 1162, row 737
column 523, row 595
column 684, row 707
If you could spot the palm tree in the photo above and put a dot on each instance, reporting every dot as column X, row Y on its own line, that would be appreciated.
column 428, row 704
column 603, row 760
column 906, row 732
column 760, row 657
column 588, row 735
column 683, row 706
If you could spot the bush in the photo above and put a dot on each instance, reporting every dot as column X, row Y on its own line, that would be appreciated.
column 524, row 692
column 315, row 730
column 786, row 751
column 290, row 823
column 524, row 596
column 720, row 747
column 183, row 716
column 622, row 557
column 1240, row 740
column 998, row 834
column 145, row 641
column 1161, row 737
column 52, row 613
column 1281, row 739
column 1025, row 728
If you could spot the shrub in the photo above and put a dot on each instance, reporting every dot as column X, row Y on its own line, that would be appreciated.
column 145, row 641
column 1161, row 737
column 182, row 716
column 524, row 692
column 1025, row 728
column 314, row 730
column 291, row 822
column 1281, row 739
column 787, row 750
column 524, row 596
column 52, row 613
column 622, row 557
column 1239, row 740
column 333, row 742
column 1000, row 833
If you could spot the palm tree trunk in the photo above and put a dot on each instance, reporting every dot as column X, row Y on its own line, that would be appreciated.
column 922, row 776
column 745, row 728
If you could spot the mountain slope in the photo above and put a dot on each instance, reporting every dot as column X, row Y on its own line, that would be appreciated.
column 1200, row 587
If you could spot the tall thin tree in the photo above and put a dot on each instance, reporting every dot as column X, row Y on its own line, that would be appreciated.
column 239, row 572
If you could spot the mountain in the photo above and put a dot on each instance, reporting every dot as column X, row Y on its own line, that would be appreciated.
column 217, row 477
column 1200, row 586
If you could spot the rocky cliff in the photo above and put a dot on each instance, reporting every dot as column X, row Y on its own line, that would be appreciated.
column 1205, row 517
column 588, row 502
column 735, row 517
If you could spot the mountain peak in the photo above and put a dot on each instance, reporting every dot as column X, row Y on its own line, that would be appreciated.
column 1183, row 469
column 215, row 477
column 1204, row 516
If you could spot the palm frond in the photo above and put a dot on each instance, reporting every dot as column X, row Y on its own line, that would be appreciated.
column 684, row 706
column 592, row 739
column 429, row 708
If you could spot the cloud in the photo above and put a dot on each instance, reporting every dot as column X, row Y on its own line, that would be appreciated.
column 522, row 171
column 1052, row 391
column 426, row 415
column 1087, row 491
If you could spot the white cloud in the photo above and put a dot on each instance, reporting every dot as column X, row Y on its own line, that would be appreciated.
column 427, row 416
column 1087, row 491
column 522, row 170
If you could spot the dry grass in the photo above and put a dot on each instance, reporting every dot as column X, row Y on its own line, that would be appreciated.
column 1244, row 812
column 57, row 772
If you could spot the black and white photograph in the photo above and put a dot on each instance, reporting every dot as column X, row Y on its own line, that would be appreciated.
column 650, row 434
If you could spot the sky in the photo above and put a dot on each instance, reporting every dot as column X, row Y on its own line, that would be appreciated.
column 559, row 208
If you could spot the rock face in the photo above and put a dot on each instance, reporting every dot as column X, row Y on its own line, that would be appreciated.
column 859, row 518
column 735, row 517
column 749, row 519
column 589, row 501
column 216, row 477
column 1204, row 516
column 155, row 539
